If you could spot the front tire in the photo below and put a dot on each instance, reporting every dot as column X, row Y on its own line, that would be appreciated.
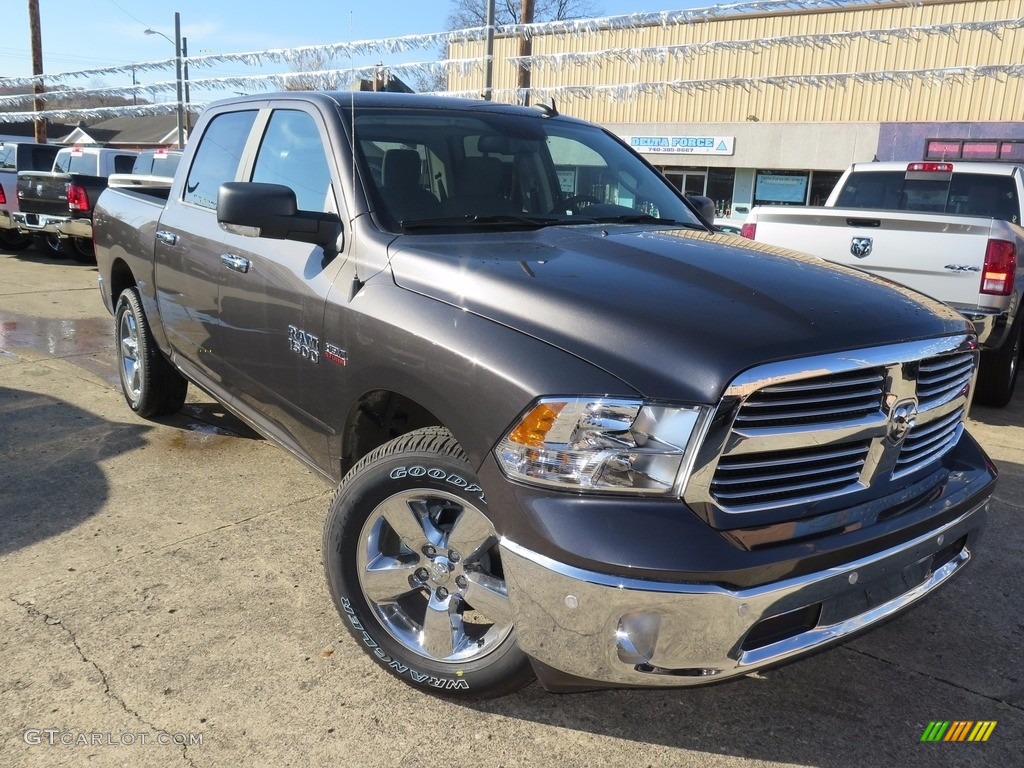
column 413, row 565
column 997, row 375
column 150, row 385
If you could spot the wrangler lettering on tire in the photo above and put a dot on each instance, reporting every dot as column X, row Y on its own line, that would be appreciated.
column 413, row 565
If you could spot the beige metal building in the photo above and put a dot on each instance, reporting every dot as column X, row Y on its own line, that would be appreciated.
column 770, row 105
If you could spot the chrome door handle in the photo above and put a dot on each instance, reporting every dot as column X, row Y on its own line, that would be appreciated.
column 166, row 237
column 237, row 263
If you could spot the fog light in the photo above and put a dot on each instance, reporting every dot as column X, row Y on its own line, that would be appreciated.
column 636, row 637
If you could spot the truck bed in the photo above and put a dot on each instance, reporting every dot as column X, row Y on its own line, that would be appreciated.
column 125, row 222
column 901, row 247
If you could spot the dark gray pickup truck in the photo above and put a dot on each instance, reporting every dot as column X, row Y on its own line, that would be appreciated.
column 57, row 205
column 575, row 434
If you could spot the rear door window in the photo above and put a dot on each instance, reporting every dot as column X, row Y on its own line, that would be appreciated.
column 218, row 156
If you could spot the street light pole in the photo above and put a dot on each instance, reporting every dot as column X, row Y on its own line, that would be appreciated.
column 184, row 76
column 177, row 74
column 176, row 42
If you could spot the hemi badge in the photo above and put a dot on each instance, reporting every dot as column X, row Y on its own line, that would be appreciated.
column 335, row 354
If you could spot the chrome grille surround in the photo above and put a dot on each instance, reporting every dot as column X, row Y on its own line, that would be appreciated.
column 803, row 431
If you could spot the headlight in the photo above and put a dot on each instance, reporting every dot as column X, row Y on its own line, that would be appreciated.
column 603, row 445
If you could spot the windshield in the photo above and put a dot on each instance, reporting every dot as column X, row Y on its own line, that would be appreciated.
column 436, row 170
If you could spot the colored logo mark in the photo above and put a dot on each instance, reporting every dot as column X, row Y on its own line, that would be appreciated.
column 958, row 730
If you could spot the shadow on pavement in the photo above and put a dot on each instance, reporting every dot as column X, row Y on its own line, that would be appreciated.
column 209, row 418
column 50, row 478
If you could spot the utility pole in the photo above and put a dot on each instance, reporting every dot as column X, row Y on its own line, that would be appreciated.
column 35, row 30
column 525, row 49
column 489, row 53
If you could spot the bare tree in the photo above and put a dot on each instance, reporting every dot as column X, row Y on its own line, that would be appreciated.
column 312, row 61
column 473, row 13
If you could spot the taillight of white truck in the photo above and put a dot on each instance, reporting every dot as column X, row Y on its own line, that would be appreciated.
column 1000, row 265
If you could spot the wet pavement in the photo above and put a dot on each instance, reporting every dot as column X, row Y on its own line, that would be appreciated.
column 163, row 604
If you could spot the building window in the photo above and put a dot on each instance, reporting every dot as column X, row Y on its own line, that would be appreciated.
column 781, row 188
column 721, row 182
column 974, row 149
column 822, row 184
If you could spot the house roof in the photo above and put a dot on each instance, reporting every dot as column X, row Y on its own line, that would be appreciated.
column 26, row 131
column 144, row 129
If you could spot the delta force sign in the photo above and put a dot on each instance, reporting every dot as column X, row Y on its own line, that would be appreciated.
column 683, row 145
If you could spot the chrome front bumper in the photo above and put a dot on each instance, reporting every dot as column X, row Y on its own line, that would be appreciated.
column 617, row 631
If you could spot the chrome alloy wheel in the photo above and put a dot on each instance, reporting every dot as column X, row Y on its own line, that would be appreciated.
column 429, row 568
column 128, row 346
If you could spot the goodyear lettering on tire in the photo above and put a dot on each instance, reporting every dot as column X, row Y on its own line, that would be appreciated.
column 434, row 473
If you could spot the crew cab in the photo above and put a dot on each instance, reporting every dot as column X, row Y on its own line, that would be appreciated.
column 57, row 205
column 152, row 168
column 18, row 156
column 951, row 230
column 575, row 434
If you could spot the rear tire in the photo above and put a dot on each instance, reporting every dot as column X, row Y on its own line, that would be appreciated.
column 50, row 245
column 13, row 240
column 82, row 251
column 151, row 386
column 997, row 375
column 414, row 567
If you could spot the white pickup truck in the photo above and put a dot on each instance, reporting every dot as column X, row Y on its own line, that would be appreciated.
column 951, row 230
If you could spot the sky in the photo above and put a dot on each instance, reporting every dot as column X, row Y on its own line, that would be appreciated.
column 86, row 34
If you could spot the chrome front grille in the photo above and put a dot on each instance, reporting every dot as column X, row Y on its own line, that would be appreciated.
column 940, row 379
column 927, row 442
column 819, row 400
column 803, row 431
column 783, row 476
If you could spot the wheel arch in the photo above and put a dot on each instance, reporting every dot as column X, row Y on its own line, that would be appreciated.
column 121, row 277
column 378, row 416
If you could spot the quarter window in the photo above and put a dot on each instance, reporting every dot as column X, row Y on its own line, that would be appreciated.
column 218, row 156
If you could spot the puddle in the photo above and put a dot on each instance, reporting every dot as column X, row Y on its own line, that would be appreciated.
column 55, row 337
column 206, row 426
column 195, row 436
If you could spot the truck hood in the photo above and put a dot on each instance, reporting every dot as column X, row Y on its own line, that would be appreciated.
column 675, row 314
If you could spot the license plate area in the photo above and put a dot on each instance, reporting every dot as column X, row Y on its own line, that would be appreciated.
column 863, row 598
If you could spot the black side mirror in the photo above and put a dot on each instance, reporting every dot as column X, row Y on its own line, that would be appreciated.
column 270, row 210
column 705, row 207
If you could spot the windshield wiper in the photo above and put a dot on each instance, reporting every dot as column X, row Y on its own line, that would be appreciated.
column 646, row 218
column 498, row 220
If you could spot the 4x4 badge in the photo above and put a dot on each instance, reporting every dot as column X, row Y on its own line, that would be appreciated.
column 860, row 247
